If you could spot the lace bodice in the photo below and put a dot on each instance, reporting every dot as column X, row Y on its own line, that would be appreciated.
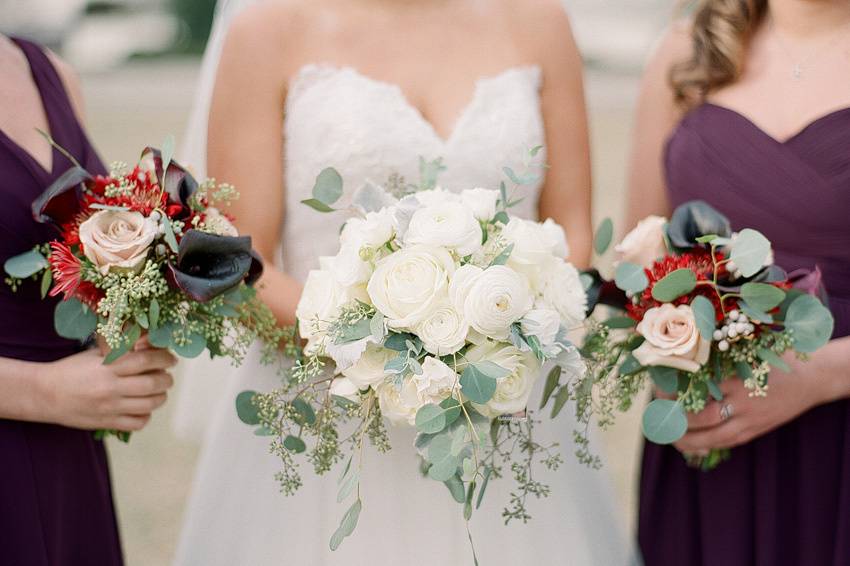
column 367, row 129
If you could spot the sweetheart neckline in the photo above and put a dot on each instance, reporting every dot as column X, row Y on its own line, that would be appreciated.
column 787, row 140
column 463, row 113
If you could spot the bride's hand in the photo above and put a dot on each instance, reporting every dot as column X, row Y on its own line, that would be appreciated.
column 81, row 392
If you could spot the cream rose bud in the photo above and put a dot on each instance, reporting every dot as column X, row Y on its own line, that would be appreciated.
column 407, row 285
column 645, row 244
column 117, row 239
column 672, row 339
column 435, row 383
column 369, row 369
column 498, row 297
column 375, row 230
column 447, row 224
column 513, row 390
column 562, row 290
column 399, row 404
column 482, row 202
column 218, row 223
column 344, row 387
column 544, row 324
column 443, row 331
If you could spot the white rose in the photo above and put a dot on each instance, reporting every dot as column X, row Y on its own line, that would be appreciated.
column 563, row 291
column 544, row 324
column 373, row 231
column 407, row 285
column 498, row 297
column 447, row 224
column 559, row 238
column 645, row 244
column 443, row 331
column 461, row 282
column 482, row 202
column 513, row 390
column 320, row 301
column 349, row 268
column 535, row 246
column 117, row 239
column 218, row 223
column 435, row 196
column 369, row 369
column 672, row 339
column 399, row 405
column 344, row 387
column 435, row 383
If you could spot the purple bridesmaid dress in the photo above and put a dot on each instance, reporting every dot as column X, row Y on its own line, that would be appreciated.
column 783, row 499
column 55, row 496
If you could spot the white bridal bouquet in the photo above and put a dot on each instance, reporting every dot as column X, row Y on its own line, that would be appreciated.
column 439, row 313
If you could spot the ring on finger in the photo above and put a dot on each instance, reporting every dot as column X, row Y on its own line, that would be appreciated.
column 727, row 410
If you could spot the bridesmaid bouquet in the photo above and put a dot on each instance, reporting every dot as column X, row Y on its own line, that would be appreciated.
column 438, row 313
column 144, row 251
column 702, row 304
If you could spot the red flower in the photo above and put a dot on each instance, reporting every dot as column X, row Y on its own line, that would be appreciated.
column 67, row 276
column 699, row 261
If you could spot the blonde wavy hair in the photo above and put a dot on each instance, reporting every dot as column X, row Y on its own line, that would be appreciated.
column 720, row 30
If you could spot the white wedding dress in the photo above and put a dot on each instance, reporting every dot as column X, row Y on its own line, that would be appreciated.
column 236, row 516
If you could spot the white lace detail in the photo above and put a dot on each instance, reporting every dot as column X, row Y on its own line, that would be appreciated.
column 368, row 130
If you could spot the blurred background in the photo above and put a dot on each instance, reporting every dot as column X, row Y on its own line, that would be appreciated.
column 138, row 61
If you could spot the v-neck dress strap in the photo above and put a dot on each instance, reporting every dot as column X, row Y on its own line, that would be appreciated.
column 55, row 495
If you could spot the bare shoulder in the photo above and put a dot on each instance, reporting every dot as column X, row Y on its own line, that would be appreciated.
column 70, row 81
column 543, row 32
column 674, row 46
column 266, row 31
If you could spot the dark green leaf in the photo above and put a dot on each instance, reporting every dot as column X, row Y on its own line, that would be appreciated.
column 467, row 507
column 666, row 379
column 46, row 281
column 73, row 320
column 604, row 235
column 630, row 365
column 664, row 421
column 674, row 285
column 305, row 411
column 620, row 322
column 153, row 313
column 294, row 444
column 561, row 399
column 552, row 381
column 455, row 486
column 193, row 347
column 246, row 410
column 317, row 205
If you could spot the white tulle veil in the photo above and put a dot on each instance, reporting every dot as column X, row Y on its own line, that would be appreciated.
column 201, row 382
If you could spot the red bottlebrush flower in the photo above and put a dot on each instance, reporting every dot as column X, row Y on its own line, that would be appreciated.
column 89, row 294
column 698, row 261
column 66, row 270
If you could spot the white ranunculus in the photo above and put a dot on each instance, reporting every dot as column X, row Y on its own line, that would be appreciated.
column 447, row 224
column 368, row 371
column 544, row 324
column 460, row 284
column 435, row 383
column 645, row 244
column 344, row 387
column 533, row 242
column 513, row 390
column 672, row 339
column 498, row 297
column 563, row 291
column 117, row 239
column 348, row 267
column 482, row 202
column 556, row 233
column 407, row 285
column 443, row 331
column 218, row 223
column 373, row 231
column 320, row 301
column 435, row 196
column 399, row 405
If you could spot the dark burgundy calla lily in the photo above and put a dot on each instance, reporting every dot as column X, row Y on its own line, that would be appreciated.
column 602, row 292
column 179, row 183
column 62, row 200
column 770, row 274
column 695, row 219
column 208, row 264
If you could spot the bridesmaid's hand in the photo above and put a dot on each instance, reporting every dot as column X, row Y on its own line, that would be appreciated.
column 81, row 392
column 788, row 396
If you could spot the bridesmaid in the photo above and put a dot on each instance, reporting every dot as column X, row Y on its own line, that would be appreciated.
column 55, row 497
column 748, row 108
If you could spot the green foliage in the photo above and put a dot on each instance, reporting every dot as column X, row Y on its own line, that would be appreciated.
column 430, row 419
column 664, row 421
column 705, row 316
column 665, row 378
column 347, row 524
column 810, row 322
column 750, row 251
column 674, row 285
column 630, row 277
column 477, row 385
column 73, row 320
column 761, row 296
column 552, row 380
column 603, row 237
column 26, row 264
column 246, row 410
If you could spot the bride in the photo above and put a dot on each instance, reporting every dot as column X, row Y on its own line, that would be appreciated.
column 368, row 86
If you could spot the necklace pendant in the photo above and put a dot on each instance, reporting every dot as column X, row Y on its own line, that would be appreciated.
column 797, row 72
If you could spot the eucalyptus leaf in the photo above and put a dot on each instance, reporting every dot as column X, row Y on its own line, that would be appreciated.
column 750, row 251
column 73, row 320
column 561, row 399
column 26, row 264
column 715, row 391
column 328, row 186
column 317, row 205
column 552, row 380
column 811, row 323
column 377, row 327
column 246, row 410
column 503, row 256
column 664, row 421
column 630, row 277
column 773, row 359
column 46, row 281
column 456, row 488
column 430, row 419
column 705, row 315
column 452, row 408
column 487, row 471
column 116, row 353
column 443, row 462
column 630, row 365
column 161, row 336
column 762, row 296
column 604, row 235
column 294, row 444
column 347, row 524
column 620, row 322
column 477, row 386
column 674, row 285
column 169, row 236
column 755, row 314
column 193, row 347
column 491, row 369
column 348, row 484
column 665, row 378
column 305, row 411
column 167, row 154
column 153, row 313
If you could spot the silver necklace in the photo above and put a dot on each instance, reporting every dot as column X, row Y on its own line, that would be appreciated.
column 800, row 66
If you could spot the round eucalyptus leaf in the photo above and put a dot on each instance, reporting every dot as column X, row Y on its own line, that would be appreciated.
column 245, row 408
column 664, row 421
column 705, row 315
column 630, row 277
column 444, row 469
column 665, row 378
column 750, row 251
column 192, row 348
column 451, row 406
column 26, row 264
column 674, row 285
column 305, row 410
column 294, row 444
column 478, row 388
column 73, row 320
column 456, row 488
column 811, row 323
column 430, row 419
column 160, row 336
column 328, row 187
column 762, row 296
